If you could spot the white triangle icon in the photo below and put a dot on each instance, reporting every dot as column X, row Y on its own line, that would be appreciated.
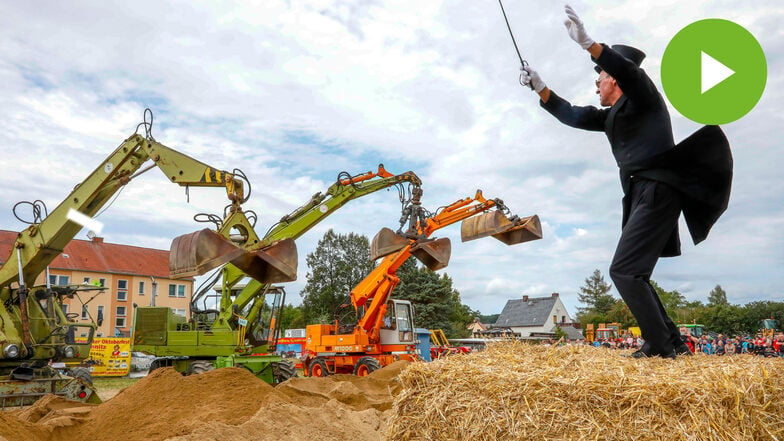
column 713, row 72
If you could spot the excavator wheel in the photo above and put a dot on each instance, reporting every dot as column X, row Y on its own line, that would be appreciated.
column 200, row 367
column 81, row 373
column 318, row 367
column 366, row 366
column 283, row 370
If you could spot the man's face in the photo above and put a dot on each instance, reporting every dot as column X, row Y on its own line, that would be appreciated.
column 604, row 86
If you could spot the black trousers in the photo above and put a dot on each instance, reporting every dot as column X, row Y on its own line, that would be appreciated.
column 655, row 209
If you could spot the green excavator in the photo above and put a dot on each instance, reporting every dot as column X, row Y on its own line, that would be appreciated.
column 239, row 324
column 37, row 339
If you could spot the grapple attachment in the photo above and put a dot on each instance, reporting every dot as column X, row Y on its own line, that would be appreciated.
column 275, row 264
column 496, row 224
column 198, row 252
column 483, row 225
column 524, row 230
column 433, row 254
column 385, row 243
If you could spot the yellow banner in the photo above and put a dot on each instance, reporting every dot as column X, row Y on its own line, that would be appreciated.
column 110, row 357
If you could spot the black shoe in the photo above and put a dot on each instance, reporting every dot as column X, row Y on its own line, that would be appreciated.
column 643, row 352
column 683, row 349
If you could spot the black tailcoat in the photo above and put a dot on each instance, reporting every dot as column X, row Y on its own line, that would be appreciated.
column 640, row 134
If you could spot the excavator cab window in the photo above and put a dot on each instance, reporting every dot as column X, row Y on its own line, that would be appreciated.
column 389, row 321
column 404, row 326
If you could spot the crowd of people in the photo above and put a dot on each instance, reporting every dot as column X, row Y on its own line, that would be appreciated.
column 711, row 345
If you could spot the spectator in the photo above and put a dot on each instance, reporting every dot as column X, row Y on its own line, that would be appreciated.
column 719, row 347
column 707, row 347
column 688, row 339
column 729, row 347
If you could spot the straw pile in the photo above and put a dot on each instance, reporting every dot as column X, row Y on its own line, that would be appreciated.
column 515, row 391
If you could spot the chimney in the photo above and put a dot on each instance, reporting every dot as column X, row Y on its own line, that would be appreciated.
column 555, row 294
column 97, row 239
column 525, row 298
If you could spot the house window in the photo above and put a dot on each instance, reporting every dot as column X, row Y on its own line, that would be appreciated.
column 180, row 312
column 58, row 280
column 85, row 312
column 102, row 282
column 122, row 290
column 64, row 307
column 86, row 280
column 100, row 313
column 141, row 288
column 176, row 290
column 119, row 322
column 121, row 311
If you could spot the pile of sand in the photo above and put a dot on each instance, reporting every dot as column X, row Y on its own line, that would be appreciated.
column 221, row 404
column 515, row 391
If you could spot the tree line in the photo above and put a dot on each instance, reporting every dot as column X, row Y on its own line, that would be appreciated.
column 716, row 313
column 341, row 261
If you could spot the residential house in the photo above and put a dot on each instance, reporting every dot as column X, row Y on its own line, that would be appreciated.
column 531, row 317
column 130, row 276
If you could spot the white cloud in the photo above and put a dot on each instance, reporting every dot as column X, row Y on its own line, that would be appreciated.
column 293, row 93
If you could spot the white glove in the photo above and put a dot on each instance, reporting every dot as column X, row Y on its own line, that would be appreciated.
column 531, row 78
column 576, row 29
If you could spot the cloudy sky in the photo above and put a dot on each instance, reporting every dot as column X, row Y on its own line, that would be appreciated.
column 293, row 93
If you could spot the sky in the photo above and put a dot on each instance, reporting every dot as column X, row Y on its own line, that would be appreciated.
column 293, row 93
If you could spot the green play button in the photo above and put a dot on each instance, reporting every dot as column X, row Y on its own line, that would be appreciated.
column 713, row 71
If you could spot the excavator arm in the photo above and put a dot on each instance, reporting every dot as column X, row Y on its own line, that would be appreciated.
column 374, row 291
column 295, row 224
column 23, row 319
column 40, row 243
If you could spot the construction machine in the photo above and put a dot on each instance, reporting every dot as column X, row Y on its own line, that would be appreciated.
column 606, row 332
column 384, row 332
column 37, row 339
column 441, row 346
column 769, row 327
column 238, row 326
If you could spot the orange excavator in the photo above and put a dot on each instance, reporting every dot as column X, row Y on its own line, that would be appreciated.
column 384, row 332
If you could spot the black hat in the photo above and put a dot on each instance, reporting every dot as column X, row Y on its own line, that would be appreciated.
column 628, row 52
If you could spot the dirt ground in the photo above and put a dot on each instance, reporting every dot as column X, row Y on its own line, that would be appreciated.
column 222, row 404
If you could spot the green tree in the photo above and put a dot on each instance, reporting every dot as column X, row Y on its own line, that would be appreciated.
column 436, row 303
column 717, row 297
column 620, row 313
column 292, row 317
column 596, row 294
column 339, row 262
column 489, row 318
column 673, row 302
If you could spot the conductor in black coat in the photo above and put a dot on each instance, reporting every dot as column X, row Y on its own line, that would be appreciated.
column 659, row 179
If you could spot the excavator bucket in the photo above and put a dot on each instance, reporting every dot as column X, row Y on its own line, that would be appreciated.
column 483, row 225
column 433, row 254
column 275, row 264
column 385, row 243
column 196, row 253
column 527, row 228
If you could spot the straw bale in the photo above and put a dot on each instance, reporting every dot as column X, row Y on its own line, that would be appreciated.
column 517, row 391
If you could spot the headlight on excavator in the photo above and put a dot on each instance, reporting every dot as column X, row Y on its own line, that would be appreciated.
column 68, row 352
column 11, row 351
